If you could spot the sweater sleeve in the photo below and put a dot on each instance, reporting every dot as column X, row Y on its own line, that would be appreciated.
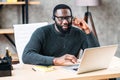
column 32, row 52
column 92, row 41
column 89, row 41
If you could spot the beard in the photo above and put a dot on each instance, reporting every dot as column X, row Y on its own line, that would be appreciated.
column 64, row 31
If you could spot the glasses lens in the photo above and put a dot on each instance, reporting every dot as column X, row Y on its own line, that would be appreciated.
column 68, row 18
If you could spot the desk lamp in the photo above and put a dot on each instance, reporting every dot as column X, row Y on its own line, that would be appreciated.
column 88, row 14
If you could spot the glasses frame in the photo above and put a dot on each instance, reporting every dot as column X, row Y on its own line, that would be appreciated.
column 68, row 18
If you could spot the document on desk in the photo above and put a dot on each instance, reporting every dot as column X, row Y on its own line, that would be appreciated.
column 52, row 68
column 43, row 68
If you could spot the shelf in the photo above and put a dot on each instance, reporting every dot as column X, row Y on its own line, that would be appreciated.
column 19, row 3
column 6, row 31
column 25, row 15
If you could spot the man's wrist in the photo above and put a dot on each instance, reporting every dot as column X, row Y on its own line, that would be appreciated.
column 54, row 61
column 87, row 31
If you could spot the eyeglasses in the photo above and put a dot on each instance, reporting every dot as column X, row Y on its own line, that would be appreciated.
column 68, row 18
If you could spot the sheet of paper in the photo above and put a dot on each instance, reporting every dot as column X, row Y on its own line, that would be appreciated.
column 43, row 68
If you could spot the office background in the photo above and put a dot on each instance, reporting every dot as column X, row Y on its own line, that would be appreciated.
column 106, row 19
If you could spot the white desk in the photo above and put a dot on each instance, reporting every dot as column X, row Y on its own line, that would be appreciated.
column 25, row 72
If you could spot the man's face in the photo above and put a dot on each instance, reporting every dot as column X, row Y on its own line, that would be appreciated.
column 63, row 20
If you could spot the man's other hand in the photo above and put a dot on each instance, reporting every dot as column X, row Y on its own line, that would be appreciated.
column 65, row 60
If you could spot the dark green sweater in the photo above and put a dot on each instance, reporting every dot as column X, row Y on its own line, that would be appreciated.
column 46, row 43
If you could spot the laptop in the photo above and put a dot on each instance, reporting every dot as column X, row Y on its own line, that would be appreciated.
column 96, row 58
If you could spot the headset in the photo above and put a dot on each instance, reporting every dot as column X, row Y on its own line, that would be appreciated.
column 53, row 17
column 60, row 7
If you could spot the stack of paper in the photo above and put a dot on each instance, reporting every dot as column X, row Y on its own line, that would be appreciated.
column 43, row 68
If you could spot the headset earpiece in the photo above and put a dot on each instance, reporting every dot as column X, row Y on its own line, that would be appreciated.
column 53, row 18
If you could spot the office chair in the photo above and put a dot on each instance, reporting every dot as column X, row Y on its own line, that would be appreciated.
column 22, row 34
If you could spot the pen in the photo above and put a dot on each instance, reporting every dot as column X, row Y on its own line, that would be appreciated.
column 75, row 69
column 33, row 69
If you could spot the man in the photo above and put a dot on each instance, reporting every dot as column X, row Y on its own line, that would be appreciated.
column 59, row 43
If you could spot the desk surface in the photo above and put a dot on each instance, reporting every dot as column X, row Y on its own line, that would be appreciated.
column 25, row 72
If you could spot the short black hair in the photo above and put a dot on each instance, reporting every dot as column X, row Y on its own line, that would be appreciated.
column 61, row 6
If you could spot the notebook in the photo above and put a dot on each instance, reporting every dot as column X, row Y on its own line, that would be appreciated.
column 96, row 58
